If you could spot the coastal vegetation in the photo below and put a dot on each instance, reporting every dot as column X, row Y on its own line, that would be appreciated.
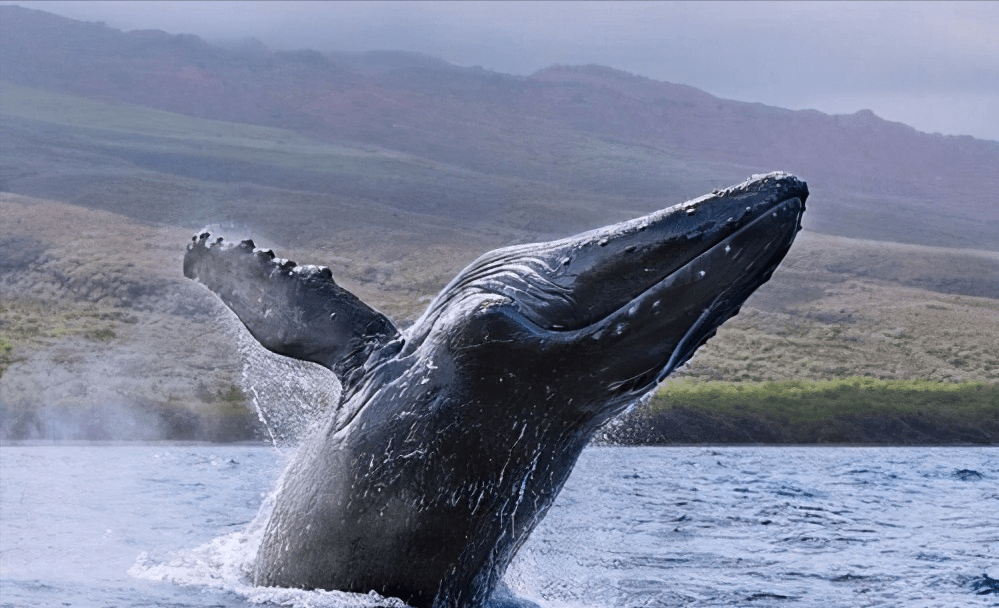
column 852, row 410
column 6, row 355
column 806, row 401
column 813, row 325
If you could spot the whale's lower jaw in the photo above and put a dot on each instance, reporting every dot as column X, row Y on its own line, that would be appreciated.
column 460, row 432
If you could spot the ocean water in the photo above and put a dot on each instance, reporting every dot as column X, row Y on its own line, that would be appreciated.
column 176, row 525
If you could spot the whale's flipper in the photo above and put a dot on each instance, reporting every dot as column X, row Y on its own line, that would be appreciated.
column 296, row 311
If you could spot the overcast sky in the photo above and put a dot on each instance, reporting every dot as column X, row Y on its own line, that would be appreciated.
column 932, row 65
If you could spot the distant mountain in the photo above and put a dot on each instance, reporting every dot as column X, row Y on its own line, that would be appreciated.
column 619, row 142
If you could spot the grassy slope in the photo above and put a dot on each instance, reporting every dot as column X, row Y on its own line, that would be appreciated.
column 114, row 139
column 101, row 336
column 846, row 344
column 376, row 215
column 80, row 298
column 837, row 308
column 829, row 312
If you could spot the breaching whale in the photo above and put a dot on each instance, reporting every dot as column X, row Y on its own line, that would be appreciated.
column 455, row 436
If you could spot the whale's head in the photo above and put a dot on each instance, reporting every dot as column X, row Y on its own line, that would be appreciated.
column 629, row 302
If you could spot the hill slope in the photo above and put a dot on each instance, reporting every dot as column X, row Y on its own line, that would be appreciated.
column 397, row 170
column 102, row 338
column 609, row 139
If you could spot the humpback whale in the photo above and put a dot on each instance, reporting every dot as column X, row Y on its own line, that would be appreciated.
column 454, row 437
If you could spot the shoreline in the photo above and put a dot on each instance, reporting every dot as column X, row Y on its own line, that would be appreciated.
column 859, row 412
column 682, row 426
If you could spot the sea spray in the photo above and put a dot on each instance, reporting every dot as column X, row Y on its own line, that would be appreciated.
column 291, row 396
column 226, row 563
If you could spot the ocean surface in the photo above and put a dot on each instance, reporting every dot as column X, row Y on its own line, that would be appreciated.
column 174, row 525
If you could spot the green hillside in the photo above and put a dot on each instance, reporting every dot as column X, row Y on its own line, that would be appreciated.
column 92, row 287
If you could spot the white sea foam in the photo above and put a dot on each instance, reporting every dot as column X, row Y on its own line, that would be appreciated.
column 226, row 563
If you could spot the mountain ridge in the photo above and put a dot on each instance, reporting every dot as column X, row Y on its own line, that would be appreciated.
column 482, row 119
column 587, row 131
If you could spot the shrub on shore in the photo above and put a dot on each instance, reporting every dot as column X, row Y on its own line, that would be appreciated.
column 798, row 401
column 845, row 411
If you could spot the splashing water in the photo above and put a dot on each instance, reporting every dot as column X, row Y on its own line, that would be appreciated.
column 226, row 563
column 291, row 396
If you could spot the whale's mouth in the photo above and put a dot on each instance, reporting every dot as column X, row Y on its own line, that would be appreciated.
column 640, row 296
column 748, row 254
column 660, row 328
column 574, row 283
column 718, row 281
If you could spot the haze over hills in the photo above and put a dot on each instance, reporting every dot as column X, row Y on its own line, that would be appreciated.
column 397, row 170
column 602, row 143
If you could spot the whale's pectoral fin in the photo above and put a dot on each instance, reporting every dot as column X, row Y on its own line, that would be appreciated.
column 296, row 311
